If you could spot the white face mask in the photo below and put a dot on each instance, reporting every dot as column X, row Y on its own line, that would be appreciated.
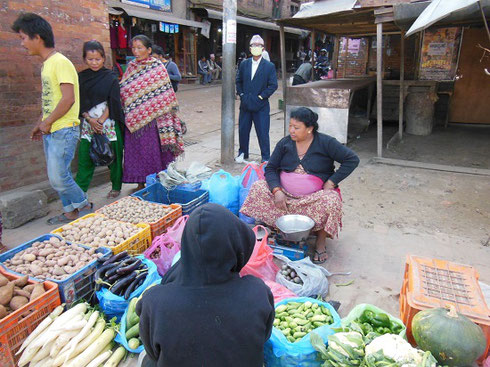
column 256, row 51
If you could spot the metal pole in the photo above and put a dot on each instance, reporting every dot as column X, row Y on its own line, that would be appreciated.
column 379, row 85
column 228, row 88
column 484, row 19
column 284, row 75
column 312, row 48
column 402, row 85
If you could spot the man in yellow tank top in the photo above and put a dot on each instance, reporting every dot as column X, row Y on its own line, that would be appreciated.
column 59, row 125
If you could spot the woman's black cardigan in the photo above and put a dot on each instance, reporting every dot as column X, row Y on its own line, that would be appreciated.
column 318, row 160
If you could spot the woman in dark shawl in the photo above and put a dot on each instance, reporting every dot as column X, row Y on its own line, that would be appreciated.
column 101, row 112
column 203, row 313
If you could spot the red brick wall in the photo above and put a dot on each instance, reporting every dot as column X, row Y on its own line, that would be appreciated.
column 74, row 22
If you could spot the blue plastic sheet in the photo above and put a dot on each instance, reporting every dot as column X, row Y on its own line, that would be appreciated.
column 279, row 352
column 113, row 305
column 224, row 190
column 121, row 335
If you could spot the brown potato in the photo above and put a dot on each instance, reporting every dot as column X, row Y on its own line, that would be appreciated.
column 3, row 312
column 6, row 293
column 37, row 291
column 17, row 302
column 21, row 292
column 29, row 288
column 3, row 280
column 22, row 281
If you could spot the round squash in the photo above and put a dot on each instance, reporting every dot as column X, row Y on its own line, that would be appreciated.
column 452, row 338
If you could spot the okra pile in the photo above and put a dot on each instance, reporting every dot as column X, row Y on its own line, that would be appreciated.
column 121, row 274
column 295, row 319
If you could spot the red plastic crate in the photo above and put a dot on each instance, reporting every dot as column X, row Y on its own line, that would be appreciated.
column 15, row 327
column 432, row 283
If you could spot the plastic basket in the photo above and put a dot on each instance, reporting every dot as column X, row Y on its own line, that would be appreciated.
column 189, row 200
column 134, row 245
column 158, row 227
column 17, row 326
column 77, row 286
column 431, row 283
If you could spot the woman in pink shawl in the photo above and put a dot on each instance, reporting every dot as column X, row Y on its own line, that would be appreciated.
column 301, row 179
column 153, row 134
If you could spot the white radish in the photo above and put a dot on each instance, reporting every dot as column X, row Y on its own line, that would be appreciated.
column 94, row 349
column 54, row 333
column 50, row 334
column 70, row 347
column 101, row 358
column 40, row 363
column 116, row 357
column 43, row 352
column 26, row 357
column 77, row 318
column 40, row 328
column 61, row 341
column 94, row 334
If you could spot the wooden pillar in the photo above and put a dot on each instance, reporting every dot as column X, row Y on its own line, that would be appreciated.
column 335, row 58
column 379, row 86
column 284, row 75
column 402, row 85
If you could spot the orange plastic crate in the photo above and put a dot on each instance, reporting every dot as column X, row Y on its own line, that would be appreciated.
column 160, row 226
column 15, row 327
column 134, row 245
column 431, row 283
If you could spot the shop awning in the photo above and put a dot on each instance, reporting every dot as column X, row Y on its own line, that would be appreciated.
column 340, row 17
column 156, row 15
column 113, row 11
column 215, row 14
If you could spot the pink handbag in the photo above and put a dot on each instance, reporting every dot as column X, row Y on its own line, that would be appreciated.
column 165, row 246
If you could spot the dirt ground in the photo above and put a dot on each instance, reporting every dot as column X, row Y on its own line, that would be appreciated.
column 389, row 211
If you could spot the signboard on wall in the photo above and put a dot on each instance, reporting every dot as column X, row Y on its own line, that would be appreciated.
column 169, row 28
column 439, row 54
column 163, row 5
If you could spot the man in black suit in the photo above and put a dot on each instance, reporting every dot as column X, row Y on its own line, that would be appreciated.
column 256, row 81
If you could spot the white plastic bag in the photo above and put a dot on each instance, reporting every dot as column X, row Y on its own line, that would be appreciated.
column 314, row 277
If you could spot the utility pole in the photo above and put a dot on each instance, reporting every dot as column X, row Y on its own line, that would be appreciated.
column 228, row 75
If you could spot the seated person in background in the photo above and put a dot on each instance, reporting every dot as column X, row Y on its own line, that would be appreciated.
column 203, row 313
column 214, row 67
column 303, row 74
column 301, row 179
column 203, row 69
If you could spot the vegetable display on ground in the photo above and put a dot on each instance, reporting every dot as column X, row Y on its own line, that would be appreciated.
column 290, row 274
column 96, row 231
column 372, row 324
column 17, row 293
column 295, row 319
column 53, row 259
column 135, row 211
column 121, row 274
column 451, row 337
column 78, row 337
column 344, row 349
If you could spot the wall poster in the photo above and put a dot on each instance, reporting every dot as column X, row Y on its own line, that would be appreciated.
column 163, row 5
column 439, row 54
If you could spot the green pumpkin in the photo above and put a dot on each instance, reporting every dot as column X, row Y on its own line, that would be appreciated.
column 452, row 338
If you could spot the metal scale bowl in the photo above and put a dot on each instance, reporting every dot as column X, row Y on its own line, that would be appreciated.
column 290, row 239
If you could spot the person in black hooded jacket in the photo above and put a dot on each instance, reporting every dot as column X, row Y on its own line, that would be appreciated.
column 203, row 313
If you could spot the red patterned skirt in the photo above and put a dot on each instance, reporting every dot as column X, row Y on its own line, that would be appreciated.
column 324, row 207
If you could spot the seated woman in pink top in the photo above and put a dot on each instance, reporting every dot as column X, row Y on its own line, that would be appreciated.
column 301, row 179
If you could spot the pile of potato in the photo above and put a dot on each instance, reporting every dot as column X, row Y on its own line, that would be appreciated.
column 53, row 259
column 17, row 293
column 97, row 231
column 133, row 210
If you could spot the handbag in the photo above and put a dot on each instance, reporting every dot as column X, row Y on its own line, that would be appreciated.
column 101, row 151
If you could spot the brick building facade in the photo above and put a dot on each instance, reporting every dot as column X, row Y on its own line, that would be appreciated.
column 74, row 22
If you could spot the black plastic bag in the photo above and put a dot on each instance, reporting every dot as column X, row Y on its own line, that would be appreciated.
column 101, row 150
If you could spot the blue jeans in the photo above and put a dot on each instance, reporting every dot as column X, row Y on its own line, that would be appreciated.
column 206, row 77
column 59, row 148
